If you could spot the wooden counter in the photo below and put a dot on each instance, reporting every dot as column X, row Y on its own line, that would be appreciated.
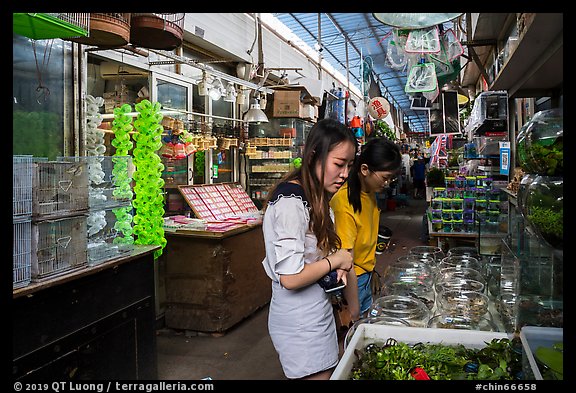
column 93, row 323
column 214, row 280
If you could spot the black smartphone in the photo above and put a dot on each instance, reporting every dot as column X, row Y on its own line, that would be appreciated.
column 339, row 285
column 329, row 282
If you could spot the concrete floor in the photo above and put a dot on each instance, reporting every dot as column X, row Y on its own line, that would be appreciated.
column 245, row 351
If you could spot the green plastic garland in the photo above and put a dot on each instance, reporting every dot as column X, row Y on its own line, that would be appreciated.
column 149, row 200
column 121, row 125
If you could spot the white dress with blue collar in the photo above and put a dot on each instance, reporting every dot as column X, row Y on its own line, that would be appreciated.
column 301, row 321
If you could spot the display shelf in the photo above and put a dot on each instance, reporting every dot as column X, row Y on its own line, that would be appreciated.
column 531, row 284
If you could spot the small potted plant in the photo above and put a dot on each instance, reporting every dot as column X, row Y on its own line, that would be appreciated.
column 435, row 178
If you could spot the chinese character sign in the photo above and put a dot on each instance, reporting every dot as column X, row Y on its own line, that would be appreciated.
column 378, row 107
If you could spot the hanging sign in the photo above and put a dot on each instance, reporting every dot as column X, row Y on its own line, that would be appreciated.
column 504, row 158
column 378, row 107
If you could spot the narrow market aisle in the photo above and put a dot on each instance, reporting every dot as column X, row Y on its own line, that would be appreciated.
column 408, row 230
column 245, row 352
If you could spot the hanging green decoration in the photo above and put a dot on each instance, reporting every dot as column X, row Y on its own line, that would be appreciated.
column 121, row 125
column 149, row 200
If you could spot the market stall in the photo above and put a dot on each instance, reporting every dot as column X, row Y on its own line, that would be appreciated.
column 214, row 277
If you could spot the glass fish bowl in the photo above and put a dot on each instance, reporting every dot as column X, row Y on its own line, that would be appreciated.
column 539, row 144
column 471, row 304
column 408, row 308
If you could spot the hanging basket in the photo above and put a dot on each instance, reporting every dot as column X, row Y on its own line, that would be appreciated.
column 109, row 30
column 157, row 31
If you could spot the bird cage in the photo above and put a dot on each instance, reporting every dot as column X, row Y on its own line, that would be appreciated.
column 41, row 26
column 157, row 31
column 108, row 30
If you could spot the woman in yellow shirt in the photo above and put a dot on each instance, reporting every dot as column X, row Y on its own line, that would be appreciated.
column 357, row 216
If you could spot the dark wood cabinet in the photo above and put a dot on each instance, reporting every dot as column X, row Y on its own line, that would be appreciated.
column 96, row 323
column 214, row 280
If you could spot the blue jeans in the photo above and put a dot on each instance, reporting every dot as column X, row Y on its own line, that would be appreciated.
column 364, row 292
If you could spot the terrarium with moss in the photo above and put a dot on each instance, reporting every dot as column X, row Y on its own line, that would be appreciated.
column 540, row 144
column 544, row 209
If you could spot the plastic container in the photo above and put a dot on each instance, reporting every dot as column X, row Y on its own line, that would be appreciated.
column 533, row 337
column 372, row 333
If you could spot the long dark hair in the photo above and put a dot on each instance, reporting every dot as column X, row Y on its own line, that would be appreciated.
column 322, row 138
column 380, row 154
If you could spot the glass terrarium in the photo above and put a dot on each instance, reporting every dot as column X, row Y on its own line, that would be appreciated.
column 540, row 144
column 542, row 207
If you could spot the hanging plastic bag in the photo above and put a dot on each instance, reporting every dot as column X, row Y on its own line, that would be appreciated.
column 422, row 78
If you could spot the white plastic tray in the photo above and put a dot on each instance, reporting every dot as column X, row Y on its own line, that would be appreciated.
column 533, row 337
column 370, row 333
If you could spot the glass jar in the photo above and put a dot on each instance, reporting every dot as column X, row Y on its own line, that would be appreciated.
column 540, row 144
column 437, row 225
column 407, row 308
column 544, row 209
column 446, row 226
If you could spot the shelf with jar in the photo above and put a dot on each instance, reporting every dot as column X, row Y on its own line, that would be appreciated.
column 270, row 153
column 531, row 283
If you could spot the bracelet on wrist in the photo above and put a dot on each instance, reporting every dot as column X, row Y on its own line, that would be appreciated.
column 329, row 264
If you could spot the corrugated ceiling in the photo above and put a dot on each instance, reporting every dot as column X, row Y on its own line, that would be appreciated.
column 366, row 36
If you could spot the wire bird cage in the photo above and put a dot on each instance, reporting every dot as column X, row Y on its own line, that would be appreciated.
column 22, row 167
column 22, row 252
column 157, row 31
column 60, row 188
column 58, row 246
column 107, row 30
column 43, row 26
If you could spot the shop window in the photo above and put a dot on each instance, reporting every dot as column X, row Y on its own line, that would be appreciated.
column 43, row 99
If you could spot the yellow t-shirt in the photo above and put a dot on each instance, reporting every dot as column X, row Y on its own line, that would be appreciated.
column 358, row 231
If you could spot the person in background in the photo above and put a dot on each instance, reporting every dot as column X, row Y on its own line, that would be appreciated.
column 302, row 247
column 406, row 163
column 419, row 177
column 357, row 216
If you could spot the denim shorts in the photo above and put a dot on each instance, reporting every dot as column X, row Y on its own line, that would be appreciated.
column 364, row 292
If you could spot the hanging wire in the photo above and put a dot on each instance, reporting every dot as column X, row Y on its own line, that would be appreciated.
column 43, row 91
